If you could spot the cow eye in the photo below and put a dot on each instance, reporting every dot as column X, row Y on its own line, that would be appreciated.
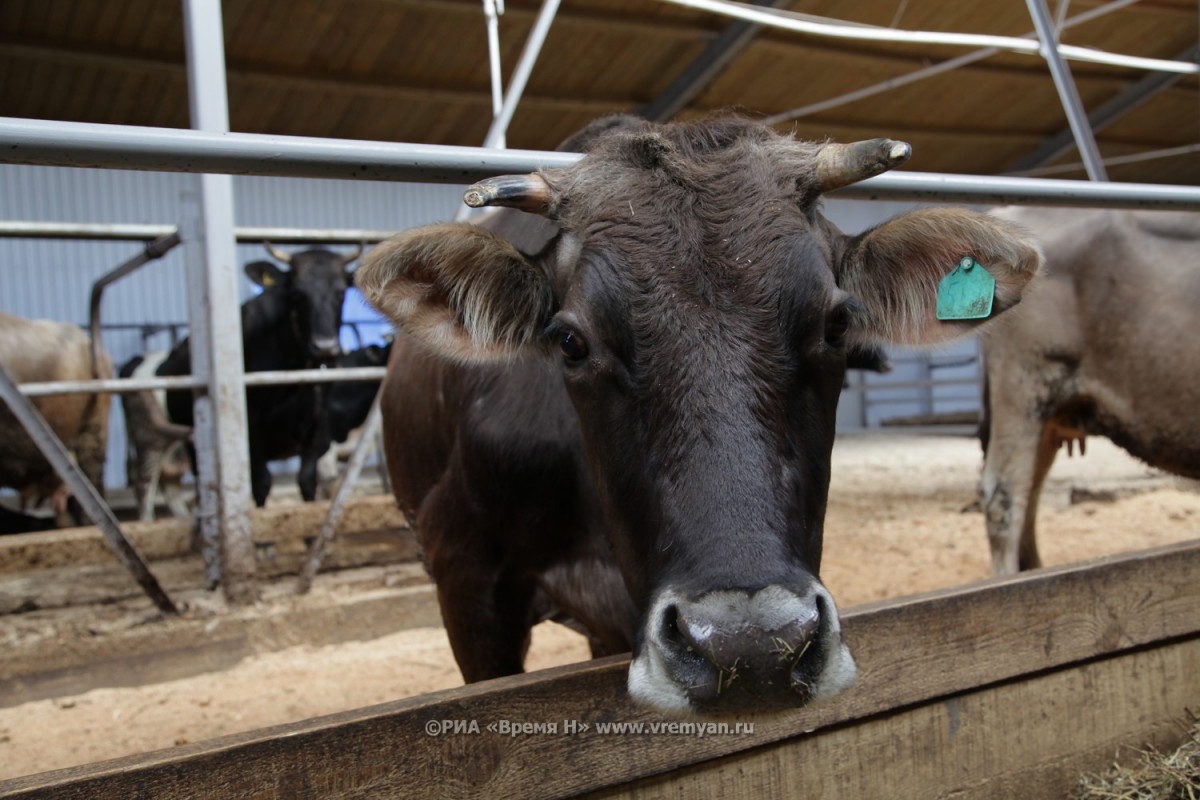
column 573, row 346
column 837, row 325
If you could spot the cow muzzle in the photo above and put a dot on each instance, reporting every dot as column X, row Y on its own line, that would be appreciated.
column 325, row 348
column 736, row 650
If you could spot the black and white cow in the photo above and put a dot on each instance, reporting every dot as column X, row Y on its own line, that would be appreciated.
column 294, row 324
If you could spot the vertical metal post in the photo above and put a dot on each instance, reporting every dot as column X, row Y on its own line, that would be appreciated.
column 498, row 133
column 492, row 9
column 1076, row 117
column 215, row 316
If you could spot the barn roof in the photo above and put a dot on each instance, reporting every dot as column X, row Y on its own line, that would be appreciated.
column 418, row 71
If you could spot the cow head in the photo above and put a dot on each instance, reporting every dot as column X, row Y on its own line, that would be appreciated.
column 702, row 311
column 315, row 286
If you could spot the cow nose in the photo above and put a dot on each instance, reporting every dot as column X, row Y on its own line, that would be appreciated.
column 326, row 348
column 731, row 651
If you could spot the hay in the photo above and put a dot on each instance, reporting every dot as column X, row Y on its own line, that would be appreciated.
column 1156, row 776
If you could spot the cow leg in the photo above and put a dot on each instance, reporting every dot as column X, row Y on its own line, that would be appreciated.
column 327, row 474
column 309, row 462
column 317, row 444
column 488, row 610
column 1017, row 462
column 260, row 481
column 488, row 618
column 146, row 485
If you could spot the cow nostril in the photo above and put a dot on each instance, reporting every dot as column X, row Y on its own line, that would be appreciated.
column 679, row 636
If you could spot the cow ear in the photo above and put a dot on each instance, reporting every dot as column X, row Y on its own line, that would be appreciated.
column 265, row 274
column 462, row 290
column 894, row 270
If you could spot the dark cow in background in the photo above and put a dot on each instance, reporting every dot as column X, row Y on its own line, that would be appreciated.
column 349, row 404
column 294, row 324
column 44, row 350
column 1104, row 344
column 627, row 423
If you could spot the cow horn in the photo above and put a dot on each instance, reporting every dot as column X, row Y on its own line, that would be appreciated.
column 358, row 252
column 278, row 254
column 526, row 192
column 840, row 165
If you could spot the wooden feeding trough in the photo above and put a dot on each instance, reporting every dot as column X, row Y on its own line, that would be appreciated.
column 1008, row 688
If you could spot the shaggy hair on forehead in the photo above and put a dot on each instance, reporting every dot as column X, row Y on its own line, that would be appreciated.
column 721, row 156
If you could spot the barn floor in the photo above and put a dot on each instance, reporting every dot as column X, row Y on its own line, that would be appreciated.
column 895, row 526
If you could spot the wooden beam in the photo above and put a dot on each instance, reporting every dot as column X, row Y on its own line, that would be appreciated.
column 1030, row 738
column 917, row 651
column 284, row 526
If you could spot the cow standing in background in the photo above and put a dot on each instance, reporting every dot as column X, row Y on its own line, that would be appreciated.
column 349, row 404
column 39, row 351
column 1103, row 345
column 626, row 421
column 155, row 455
column 294, row 324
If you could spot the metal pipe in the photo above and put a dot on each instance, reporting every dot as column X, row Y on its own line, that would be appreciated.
column 496, row 136
column 122, row 148
column 312, row 235
column 931, row 71
column 220, row 433
column 87, row 495
column 267, row 378
column 83, row 230
column 1085, row 140
column 838, row 30
column 82, row 144
column 152, row 251
column 932, row 187
column 492, row 9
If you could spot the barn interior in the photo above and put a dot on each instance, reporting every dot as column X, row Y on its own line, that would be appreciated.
column 418, row 71
column 421, row 72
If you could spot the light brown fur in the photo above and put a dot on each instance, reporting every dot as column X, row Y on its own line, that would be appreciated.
column 39, row 351
column 1102, row 344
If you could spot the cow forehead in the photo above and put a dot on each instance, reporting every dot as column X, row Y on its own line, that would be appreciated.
column 318, row 268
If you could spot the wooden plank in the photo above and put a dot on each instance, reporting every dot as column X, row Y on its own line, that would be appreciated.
column 910, row 652
column 282, row 526
column 1032, row 738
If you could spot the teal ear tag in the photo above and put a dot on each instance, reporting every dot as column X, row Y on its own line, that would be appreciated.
column 967, row 292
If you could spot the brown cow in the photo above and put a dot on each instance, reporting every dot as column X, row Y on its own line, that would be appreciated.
column 44, row 350
column 1100, row 346
column 630, row 426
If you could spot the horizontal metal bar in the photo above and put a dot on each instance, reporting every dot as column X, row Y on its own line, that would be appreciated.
column 312, row 235
column 24, row 141
column 885, row 387
column 82, row 230
column 85, row 230
column 933, row 187
column 272, row 378
column 339, row 374
column 80, row 144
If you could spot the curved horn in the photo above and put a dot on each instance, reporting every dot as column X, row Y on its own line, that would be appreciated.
column 358, row 252
column 840, row 165
column 525, row 192
column 287, row 257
